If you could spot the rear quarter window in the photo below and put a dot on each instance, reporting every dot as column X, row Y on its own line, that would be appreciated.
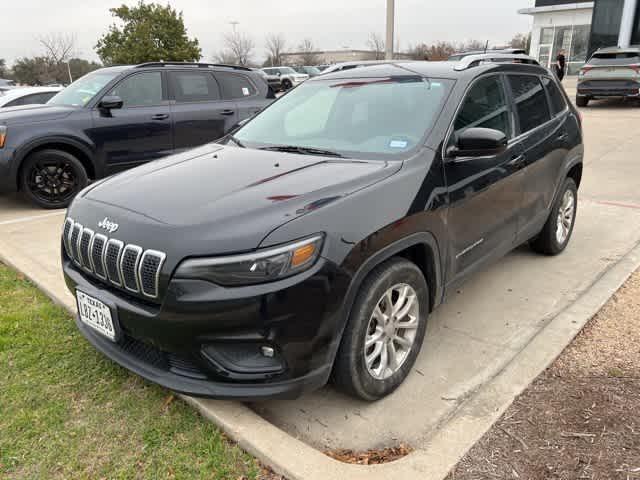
column 235, row 85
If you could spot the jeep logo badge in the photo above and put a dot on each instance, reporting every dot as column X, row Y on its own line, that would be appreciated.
column 108, row 225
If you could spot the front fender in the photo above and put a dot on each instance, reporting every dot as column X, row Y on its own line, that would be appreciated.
column 83, row 145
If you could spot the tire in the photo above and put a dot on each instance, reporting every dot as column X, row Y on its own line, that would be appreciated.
column 286, row 84
column 582, row 101
column 65, row 177
column 351, row 373
column 550, row 241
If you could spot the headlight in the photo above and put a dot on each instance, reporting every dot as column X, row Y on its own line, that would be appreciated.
column 258, row 267
column 3, row 135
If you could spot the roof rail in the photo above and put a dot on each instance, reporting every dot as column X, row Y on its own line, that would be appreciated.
column 475, row 60
column 191, row 64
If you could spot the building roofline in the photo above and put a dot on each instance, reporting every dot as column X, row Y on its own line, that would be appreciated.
column 556, row 8
column 325, row 52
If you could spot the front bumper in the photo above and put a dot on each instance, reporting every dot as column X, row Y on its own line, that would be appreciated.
column 8, row 181
column 199, row 343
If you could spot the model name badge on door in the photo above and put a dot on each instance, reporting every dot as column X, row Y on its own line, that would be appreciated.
column 469, row 248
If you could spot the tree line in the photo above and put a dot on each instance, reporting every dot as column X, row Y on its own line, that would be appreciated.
column 149, row 32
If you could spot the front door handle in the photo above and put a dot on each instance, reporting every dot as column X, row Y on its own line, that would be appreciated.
column 517, row 161
column 228, row 112
column 562, row 137
column 160, row 116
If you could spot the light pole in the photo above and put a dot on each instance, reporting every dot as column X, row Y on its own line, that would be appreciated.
column 390, row 29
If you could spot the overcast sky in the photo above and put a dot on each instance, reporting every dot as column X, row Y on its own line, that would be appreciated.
column 331, row 24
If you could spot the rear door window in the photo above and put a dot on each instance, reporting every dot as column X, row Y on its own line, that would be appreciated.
column 235, row 85
column 530, row 101
column 485, row 106
column 558, row 102
column 194, row 87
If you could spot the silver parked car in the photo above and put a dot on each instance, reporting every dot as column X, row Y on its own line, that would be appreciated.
column 27, row 96
column 610, row 72
column 288, row 76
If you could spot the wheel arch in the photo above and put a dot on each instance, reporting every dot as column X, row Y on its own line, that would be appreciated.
column 74, row 147
column 575, row 172
column 421, row 248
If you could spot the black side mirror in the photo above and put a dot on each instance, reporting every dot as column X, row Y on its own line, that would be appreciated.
column 479, row 142
column 110, row 102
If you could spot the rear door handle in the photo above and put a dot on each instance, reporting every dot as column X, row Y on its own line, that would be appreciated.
column 160, row 116
column 228, row 112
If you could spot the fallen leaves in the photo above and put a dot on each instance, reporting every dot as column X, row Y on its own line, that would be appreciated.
column 370, row 457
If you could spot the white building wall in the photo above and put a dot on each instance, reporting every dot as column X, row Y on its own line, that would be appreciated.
column 559, row 18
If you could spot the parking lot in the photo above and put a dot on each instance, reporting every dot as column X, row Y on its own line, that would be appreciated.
column 471, row 339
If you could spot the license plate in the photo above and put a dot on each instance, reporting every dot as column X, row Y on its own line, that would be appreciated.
column 96, row 315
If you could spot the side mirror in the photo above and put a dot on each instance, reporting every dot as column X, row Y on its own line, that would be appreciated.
column 110, row 102
column 479, row 142
column 278, row 74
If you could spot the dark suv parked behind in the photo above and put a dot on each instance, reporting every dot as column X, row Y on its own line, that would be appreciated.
column 318, row 237
column 119, row 117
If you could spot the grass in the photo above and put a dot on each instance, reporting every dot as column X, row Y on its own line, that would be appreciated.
column 68, row 412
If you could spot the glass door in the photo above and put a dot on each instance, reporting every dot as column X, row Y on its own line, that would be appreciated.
column 544, row 55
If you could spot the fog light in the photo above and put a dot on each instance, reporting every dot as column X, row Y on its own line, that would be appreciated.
column 267, row 352
column 243, row 360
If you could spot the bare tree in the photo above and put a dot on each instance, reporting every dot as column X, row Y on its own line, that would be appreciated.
column 309, row 53
column 376, row 43
column 275, row 48
column 521, row 40
column 238, row 48
column 225, row 56
column 472, row 45
column 59, row 49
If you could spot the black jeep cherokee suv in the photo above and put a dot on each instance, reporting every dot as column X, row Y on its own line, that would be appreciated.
column 316, row 239
column 118, row 117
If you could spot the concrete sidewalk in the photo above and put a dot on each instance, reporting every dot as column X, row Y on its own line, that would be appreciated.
column 482, row 348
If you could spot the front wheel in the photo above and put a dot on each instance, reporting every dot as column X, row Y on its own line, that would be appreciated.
column 385, row 331
column 556, row 233
column 52, row 178
column 286, row 84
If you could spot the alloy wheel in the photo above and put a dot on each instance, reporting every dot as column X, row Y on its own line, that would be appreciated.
column 565, row 217
column 53, row 181
column 391, row 331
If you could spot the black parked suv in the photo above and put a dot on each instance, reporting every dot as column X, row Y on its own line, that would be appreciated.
column 316, row 240
column 119, row 117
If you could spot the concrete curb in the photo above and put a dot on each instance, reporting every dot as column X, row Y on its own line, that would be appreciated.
column 433, row 460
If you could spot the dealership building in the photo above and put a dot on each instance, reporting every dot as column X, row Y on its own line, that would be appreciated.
column 580, row 28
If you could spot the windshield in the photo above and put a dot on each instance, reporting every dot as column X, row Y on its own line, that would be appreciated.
column 366, row 118
column 287, row 70
column 311, row 70
column 80, row 92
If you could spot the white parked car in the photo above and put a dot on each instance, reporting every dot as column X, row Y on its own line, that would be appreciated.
column 27, row 96
column 288, row 76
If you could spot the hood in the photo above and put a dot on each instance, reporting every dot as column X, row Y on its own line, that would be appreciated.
column 33, row 113
column 223, row 199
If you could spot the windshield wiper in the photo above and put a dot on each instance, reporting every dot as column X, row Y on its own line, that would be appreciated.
column 236, row 141
column 302, row 150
